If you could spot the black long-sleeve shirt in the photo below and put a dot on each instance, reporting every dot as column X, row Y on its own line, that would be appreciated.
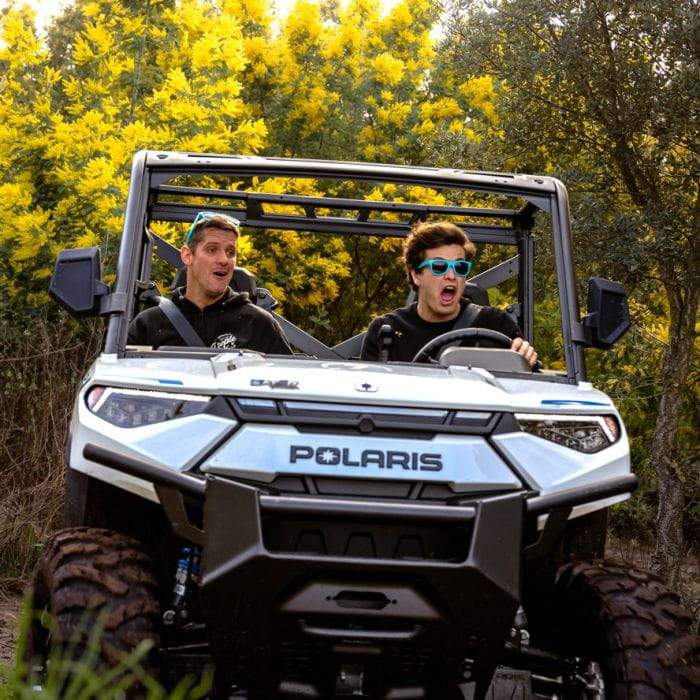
column 411, row 332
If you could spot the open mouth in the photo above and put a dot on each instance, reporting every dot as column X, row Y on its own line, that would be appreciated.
column 220, row 273
column 448, row 294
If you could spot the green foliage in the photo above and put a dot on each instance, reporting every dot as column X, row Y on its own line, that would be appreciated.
column 75, row 670
column 605, row 97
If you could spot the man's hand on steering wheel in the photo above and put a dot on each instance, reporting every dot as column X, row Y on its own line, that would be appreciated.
column 475, row 337
column 522, row 347
column 468, row 337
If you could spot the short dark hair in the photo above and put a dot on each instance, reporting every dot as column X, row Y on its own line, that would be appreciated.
column 219, row 221
column 426, row 235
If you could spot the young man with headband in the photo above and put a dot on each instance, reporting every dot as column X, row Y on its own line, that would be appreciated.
column 438, row 259
column 221, row 317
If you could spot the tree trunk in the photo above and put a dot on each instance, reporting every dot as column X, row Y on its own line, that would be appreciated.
column 676, row 367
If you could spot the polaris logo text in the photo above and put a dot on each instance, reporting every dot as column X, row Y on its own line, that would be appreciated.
column 384, row 459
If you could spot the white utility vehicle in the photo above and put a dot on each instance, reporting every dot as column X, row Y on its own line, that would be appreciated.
column 315, row 526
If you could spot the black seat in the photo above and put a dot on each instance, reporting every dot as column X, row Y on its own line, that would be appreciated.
column 476, row 294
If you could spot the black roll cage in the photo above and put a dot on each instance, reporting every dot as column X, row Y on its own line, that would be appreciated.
column 151, row 199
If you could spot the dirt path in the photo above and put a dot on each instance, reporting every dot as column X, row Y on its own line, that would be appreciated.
column 9, row 612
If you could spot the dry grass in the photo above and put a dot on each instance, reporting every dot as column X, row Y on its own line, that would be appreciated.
column 40, row 367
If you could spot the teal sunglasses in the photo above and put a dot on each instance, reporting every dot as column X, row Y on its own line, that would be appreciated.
column 439, row 267
column 206, row 216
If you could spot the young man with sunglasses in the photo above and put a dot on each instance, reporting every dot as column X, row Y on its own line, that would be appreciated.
column 220, row 317
column 438, row 259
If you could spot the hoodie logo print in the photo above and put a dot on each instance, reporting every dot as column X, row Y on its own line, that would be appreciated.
column 227, row 341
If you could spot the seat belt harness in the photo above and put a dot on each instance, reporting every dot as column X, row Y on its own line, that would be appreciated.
column 180, row 323
column 467, row 317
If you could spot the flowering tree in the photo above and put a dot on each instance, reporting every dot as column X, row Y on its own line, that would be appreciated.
column 154, row 75
column 347, row 82
column 330, row 81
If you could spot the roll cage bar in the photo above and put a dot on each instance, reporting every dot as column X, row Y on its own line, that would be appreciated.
column 151, row 198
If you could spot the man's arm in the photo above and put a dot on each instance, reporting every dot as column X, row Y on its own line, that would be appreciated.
column 268, row 336
column 370, row 345
column 138, row 331
column 279, row 344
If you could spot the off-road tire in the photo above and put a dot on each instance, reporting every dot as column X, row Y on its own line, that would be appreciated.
column 87, row 576
column 628, row 621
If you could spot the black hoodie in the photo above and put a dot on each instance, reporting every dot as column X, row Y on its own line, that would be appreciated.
column 231, row 322
column 411, row 332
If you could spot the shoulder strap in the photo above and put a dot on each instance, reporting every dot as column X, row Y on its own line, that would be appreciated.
column 180, row 323
column 468, row 316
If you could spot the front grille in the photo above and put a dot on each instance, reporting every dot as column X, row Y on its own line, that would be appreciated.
column 363, row 418
column 367, row 539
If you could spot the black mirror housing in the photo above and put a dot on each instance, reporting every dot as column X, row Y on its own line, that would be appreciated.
column 608, row 317
column 76, row 283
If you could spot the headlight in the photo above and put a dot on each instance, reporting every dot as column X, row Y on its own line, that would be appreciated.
column 132, row 408
column 587, row 434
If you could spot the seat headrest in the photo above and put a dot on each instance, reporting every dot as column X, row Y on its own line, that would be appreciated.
column 476, row 294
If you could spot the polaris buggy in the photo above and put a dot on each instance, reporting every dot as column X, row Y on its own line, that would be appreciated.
column 315, row 526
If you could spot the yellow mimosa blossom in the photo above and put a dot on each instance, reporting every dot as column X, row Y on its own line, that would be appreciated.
column 395, row 115
column 481, row 93
column 389, row 69
column 348, row 81
column 426, row 127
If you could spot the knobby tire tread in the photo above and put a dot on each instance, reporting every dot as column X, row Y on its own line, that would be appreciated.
column 636, row 627
column 91, row 575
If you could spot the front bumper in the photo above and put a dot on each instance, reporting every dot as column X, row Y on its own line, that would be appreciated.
column 296, row 588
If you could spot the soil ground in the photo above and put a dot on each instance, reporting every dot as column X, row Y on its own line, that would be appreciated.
column 10, row 604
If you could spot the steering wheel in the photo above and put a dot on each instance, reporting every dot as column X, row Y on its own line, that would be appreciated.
column 469, row 337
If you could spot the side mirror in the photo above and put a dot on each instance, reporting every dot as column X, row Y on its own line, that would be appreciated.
column 76, row 283
column 608, row 317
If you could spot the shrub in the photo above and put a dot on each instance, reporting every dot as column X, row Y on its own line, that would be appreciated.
column 42, row 360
